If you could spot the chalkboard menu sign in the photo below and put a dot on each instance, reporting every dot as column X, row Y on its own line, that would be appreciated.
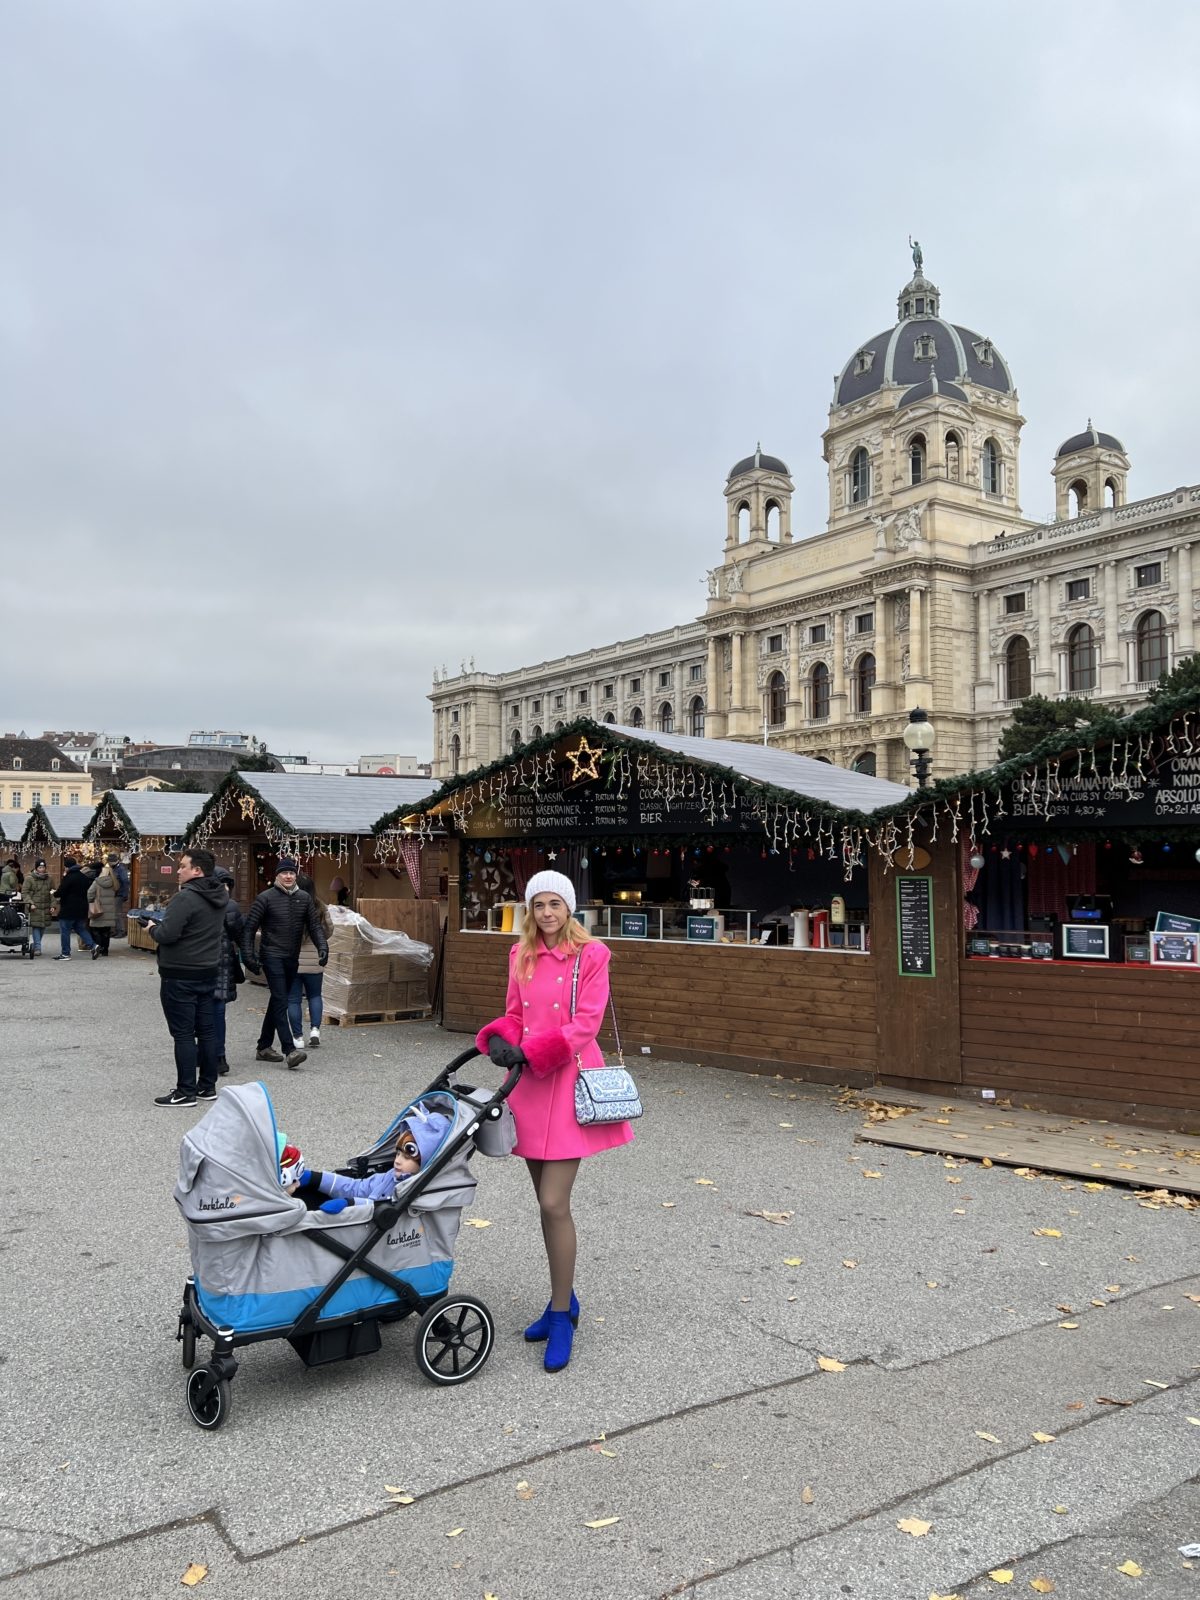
column 1084, row 941
column 702, row 929
column 635, row 924
column 1167, row 791
column 1173, row 922
column 914, row 917
column 591, row 808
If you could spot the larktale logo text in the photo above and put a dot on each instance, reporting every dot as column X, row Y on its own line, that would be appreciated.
column 410, row 1237
column 229, row 1203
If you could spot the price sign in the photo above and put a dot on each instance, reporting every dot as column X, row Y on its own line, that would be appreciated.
column 914, row 918
column 1175, row 949
column 702, row 930
column 1173, row 922
column 635, row 924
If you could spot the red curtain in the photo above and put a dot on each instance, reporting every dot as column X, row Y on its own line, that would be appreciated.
column 1050, row 879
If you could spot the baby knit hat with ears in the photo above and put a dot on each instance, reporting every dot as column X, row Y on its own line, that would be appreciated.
column 551, row 883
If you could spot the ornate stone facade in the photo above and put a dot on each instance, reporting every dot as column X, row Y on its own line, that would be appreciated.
column 927, row 588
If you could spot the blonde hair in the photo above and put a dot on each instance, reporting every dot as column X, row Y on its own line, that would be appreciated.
column 574, row 936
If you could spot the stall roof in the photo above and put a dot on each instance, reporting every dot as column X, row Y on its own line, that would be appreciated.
column 13, row 825
column 150, row 812
column 833, row 791
column 322, row 803
column 62, row 824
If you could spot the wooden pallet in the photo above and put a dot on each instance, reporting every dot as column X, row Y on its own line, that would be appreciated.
column 340, row 1019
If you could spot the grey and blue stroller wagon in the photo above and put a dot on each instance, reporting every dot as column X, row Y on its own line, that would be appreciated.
column 266, row 1266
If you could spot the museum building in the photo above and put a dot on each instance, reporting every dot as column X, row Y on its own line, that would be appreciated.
column 927, row 587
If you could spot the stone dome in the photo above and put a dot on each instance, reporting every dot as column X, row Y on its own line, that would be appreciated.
column 922, row 343
column 1089, row 439
column 758, row 462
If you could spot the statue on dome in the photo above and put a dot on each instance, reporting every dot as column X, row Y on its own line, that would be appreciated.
column 918, row 258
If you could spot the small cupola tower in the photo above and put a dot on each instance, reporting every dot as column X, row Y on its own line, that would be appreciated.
column 1091, row 471
column 758, row 493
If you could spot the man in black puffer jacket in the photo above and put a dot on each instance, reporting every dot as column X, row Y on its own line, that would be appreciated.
column 282, row 915
column 188, row 937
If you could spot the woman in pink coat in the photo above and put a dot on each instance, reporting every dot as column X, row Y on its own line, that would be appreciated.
column 538, row 1028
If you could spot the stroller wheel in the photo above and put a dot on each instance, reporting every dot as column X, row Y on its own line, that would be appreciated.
column 208, row 1397
column 454, row 1339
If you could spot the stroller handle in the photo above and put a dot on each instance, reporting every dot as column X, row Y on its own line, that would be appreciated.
column 512, row 1077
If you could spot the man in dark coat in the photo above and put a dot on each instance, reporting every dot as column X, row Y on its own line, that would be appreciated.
column 72, row 898
column 120, row 874
column 189, row 936
column 283, row 913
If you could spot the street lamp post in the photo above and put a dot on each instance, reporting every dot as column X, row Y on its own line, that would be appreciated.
column 918, row 739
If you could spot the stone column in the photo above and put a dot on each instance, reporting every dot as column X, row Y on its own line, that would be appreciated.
column 887, row 670
column 916, row 633
column 711, row 680
column 837, row 699
column 1112, row 666
column 736, row 694
column 795, row 709
column 1045, row 676
column 985, row 686
column 1185, row 632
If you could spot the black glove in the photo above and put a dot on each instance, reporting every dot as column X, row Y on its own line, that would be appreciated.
column 251, row 964
column 504, row 1055
column 323, row 957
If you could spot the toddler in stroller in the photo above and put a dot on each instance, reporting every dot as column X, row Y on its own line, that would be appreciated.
column 265, row 1266
column 417, row 1141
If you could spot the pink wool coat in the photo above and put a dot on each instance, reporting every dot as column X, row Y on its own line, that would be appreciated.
column 537, row 1017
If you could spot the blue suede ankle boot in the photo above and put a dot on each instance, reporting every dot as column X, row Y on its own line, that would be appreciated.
column 558, row 1344
column 539, row 1330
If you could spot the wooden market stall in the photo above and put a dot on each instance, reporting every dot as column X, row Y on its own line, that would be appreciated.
column 52, row 832
column 147, row 828
column 728, row 878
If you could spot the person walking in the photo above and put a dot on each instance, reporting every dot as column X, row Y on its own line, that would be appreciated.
column 188, row 937
column 557, row 997
column 38, row 893
column 229, row 967
column 71, row 897
column 102, row 909
column 307, row 983
column 283, row 913
column 121, row 873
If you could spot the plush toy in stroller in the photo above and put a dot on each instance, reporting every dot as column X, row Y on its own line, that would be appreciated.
column 266, row 1266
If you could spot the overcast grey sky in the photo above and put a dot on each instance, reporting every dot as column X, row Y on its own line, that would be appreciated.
column 341, row 339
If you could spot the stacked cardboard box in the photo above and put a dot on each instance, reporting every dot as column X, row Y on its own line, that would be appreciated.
column 362, row 981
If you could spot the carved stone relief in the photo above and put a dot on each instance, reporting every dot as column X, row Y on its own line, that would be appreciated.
column 900, row 614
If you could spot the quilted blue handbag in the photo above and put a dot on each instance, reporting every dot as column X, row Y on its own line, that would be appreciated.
column 604, row 1094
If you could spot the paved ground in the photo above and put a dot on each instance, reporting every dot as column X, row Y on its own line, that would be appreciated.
column 696, row 1412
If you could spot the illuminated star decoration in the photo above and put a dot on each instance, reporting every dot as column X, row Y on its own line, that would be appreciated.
column 248, row 807
column 581, row 768
column 1006, row 854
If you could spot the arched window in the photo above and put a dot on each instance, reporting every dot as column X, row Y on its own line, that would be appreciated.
column 953, row 458
column 916, row 458
column 1152, row 647
column 455, row 754
column 1112, row 492
column 743, row 522
column 516, row 739
column 777, row 700
column 860, row 477
column 666, row 717
column 1081, row 659
column 818, row 688
column 991, row 467
column 537, row 732
column 558, row 727
column 773, row 521
column 1078, row 493
column 864, row 682
column 865, row 763
column 1016, row 668
column 608, row 717
column 636, row 718
column 696, row 715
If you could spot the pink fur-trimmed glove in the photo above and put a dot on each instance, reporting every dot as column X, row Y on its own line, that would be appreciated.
column 546, row 1052
column 506, row 1028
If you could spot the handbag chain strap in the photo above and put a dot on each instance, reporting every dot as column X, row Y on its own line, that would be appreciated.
column 612, row 1010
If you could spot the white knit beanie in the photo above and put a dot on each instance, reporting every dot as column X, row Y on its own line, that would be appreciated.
column 551, row 883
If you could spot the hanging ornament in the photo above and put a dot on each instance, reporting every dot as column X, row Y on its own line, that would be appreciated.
column 1166, row 849
column 1198, row 855
column 1033, row 849
column 583, row 861
column 977, row 861
column 487, row 856
column 1136, row 859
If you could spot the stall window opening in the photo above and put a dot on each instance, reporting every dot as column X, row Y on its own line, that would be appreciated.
column 1081, row 659
column 1152, row 646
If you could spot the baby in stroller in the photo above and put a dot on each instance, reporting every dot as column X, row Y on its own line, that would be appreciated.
column 418, row 1138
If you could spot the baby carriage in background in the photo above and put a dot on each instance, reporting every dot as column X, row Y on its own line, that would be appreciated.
column 265, row 1266
column 15, row 932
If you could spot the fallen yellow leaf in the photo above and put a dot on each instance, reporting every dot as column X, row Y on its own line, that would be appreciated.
column 872, row 1174
column 1001, row 1575
column 1041, row 1585
column 1195, row 1421
column 990, row 1437
column 1095, row 1187
column 705, row 1183
column 1059, row 1511
column 931, row 1283
column 668, row 1205
column 196, row 1573
column 1130, row 1569
column 390, row 1488
column 402, row 1500
column 524, row 1492
column 1044, row 1438
column 602, row 1522
column 914, row 1526
column 1068, row 1324
column 849, row 1263
column 806, row 1496
column 454, row 1533
column 828, row 1364
column 1154, row 1384
column 933, row 1596
column 477, row 1222
column 1048, row 1233
column 986, row 1162
column 793, row 1261
column 953, row 1180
